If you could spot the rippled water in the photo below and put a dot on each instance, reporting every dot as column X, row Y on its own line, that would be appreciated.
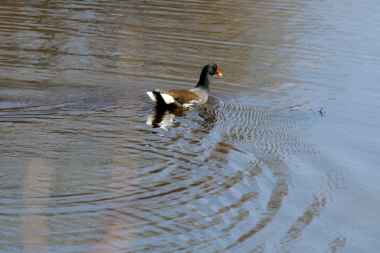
column 88, row 164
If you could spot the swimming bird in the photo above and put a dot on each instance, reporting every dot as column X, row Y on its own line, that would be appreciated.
column 185, row 98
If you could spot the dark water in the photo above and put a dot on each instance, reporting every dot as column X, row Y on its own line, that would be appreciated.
column 88, row 165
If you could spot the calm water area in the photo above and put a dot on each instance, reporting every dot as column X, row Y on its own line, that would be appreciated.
column 284, row 157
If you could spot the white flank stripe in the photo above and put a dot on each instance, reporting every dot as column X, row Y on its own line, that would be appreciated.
column 167, row 98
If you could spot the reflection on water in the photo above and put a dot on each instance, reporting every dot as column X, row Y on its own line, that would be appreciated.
column 161, row 117
column 88, row 164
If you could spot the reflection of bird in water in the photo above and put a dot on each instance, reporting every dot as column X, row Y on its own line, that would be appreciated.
column 160, row 117
column 164, row 117
column 186, row 98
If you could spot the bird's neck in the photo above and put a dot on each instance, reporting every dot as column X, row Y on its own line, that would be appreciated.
column 204, row 80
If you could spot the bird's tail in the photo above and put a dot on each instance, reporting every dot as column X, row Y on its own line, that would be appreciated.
column 159, row 98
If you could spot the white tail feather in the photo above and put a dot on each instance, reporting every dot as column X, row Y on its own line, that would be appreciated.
column 151, row 95
column 167, row 98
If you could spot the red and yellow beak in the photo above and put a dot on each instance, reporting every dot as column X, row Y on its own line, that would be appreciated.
column 218, row 72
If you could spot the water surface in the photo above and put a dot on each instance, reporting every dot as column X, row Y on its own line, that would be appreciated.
column 87, row 163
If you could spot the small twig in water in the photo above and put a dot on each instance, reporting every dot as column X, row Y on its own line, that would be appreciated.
column 321, row 111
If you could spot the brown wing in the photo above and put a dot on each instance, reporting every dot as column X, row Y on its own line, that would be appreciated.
column 182, row 96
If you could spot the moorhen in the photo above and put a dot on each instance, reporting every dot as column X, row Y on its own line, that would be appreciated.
column 185, row 98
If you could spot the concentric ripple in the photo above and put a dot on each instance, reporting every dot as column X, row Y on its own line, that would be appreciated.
column 231, row 178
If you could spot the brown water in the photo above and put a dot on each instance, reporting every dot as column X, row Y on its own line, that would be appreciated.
column 88, row 165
